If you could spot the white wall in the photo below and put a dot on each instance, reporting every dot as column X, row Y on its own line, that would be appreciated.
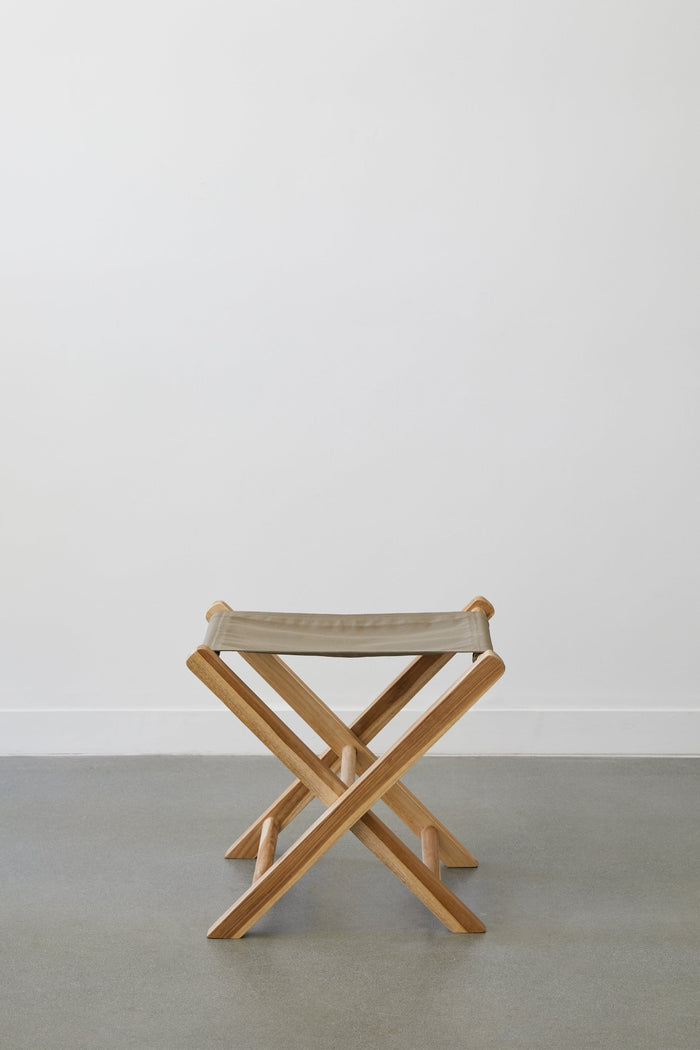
column 356, row 306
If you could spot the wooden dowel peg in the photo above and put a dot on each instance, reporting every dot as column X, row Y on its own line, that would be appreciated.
column 217, row 607
column 266, row 849
column 430, row 847
column 348, row 758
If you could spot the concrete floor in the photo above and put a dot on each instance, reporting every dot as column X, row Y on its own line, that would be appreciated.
column 113, row 870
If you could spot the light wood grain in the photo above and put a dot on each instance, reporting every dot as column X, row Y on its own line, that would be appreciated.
column 351, row 807
column 435, row 895
column 348, row 762
column 430, row 849
column 324, row 721
column 481, row 603
column 240, row 699
column 266, row 850
column 376, row 717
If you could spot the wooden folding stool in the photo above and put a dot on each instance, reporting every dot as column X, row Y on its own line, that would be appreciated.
column 331, row 777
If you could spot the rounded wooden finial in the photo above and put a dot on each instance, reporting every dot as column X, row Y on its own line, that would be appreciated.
column 483, row 604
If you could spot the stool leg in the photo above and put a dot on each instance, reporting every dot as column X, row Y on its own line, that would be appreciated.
column 291, row 750
column 356, row 800
column 378, row 715
column 324, row 721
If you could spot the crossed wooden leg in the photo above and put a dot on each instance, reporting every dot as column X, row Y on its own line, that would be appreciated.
column 348, row 806
column 337, row 735
column 326, row 723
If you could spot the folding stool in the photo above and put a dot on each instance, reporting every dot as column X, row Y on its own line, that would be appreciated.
column 331, row 777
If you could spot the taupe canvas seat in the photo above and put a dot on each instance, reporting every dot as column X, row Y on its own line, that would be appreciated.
column 348, row 777
column 394, row 634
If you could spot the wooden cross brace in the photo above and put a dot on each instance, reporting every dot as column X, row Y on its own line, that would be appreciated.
column 331, row 778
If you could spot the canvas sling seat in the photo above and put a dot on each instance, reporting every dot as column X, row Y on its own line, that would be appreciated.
column 348, row 777
column 374, row 635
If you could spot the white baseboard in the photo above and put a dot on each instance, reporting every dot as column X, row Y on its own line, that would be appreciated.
column 481, row 732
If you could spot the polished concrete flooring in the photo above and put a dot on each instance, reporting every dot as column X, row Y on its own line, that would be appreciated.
column 113, row 869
